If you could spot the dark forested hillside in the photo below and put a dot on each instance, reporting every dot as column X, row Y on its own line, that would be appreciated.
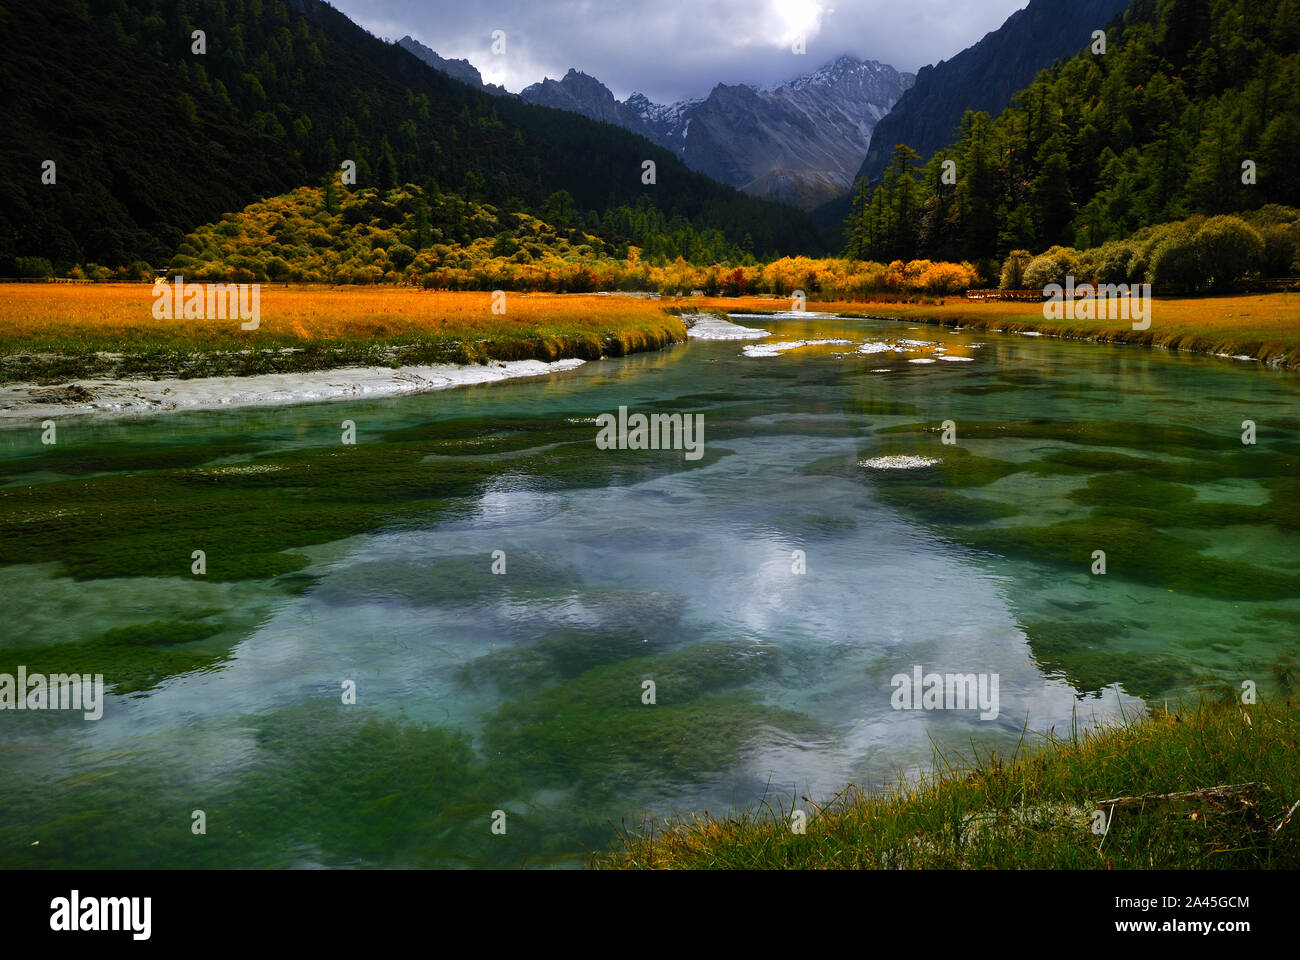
column 985, row 76
column 1194, row 108
column 150, row 139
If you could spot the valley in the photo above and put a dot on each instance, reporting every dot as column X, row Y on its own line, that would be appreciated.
column 762, row 436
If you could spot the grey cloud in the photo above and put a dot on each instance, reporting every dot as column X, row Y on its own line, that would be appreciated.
column 674, row 49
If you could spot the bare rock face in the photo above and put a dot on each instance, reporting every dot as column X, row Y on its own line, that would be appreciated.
column 577, row 93
column 801, row 142
column 461, row 70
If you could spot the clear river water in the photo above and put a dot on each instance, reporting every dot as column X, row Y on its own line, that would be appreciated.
column 396, row 645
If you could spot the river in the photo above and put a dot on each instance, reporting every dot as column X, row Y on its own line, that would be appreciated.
column 437, row 646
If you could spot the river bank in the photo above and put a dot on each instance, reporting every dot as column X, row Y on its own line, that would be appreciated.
column 57, row 333
column 1212, row 786
column 1263, row 327
column 25, row 403
column 69, row 350
column 76, row 350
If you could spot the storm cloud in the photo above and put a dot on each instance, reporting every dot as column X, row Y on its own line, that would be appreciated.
column 674, row 49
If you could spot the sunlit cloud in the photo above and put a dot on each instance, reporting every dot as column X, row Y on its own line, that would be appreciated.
column 796, row 20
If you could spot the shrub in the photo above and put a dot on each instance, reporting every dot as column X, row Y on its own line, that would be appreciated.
column 277, row 269
column 735, row 283
column 504, row 245
column 1174, row 262
column 1281, row 247
column 912, row 271
column 137, row 270
column 1013, row 269
column 34, row 268
column 1112, row 262
column 945, row 278
column 1144, row 244
column 1227, row 249
column 1052, row 267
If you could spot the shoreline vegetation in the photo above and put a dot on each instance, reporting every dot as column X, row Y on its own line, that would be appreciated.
column 67, row 336
column 53, row 333
column 1263, row 327
column 1213, row 785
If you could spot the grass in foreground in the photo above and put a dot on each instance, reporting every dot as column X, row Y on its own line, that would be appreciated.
column 53, row 332
column 1262, row 326
column 1035, row 810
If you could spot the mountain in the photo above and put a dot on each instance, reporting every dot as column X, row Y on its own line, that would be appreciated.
column 577, row 93
column 151, row 139
column 461, row 70
column 985, row 76
column 665, row 124
column 799, row 143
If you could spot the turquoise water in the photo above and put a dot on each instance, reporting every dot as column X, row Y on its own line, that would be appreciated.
column 522, row 692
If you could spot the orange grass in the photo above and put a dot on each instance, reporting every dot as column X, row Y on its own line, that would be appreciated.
column 40, row 316
column 80, row 324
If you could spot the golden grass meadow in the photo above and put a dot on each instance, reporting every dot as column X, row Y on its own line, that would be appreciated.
column 57, row 331
column 334, row 325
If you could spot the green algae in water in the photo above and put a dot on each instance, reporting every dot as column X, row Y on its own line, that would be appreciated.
column 1136, row 552
column 370, row 790
column 632, row 624
column 594, row 730
column 1160, row 503
column 1134, row 500
column 325, row 784
column 605, row 747
column 248, row 519
column 1148, row 437
column 944, row 506
column 318, row 783
column 1085, row 653
column 449, row 579
column 956, row 467
column 1089, row 461
column 1280, row 616
column 81, row 459
column 132, row 659
column 330, row 785
column 564, row 655
column 1137, row 507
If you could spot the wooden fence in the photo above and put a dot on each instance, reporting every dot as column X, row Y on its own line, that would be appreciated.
column 1005, row 295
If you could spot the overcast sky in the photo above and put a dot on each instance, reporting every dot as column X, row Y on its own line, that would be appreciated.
column 673, row 49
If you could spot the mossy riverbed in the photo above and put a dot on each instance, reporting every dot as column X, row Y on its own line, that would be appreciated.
column 768, row 591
